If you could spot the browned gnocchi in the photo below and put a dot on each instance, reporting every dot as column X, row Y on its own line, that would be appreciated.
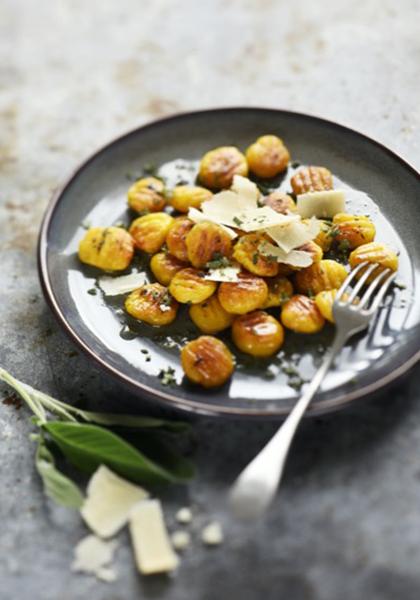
column 257, row 333
column 149, row 232
column 107, row 248
column 147, row 195
column 355, row 230
column 311, row 179
column 188, row 286
column 207, row 361
column 205, row 242
column 152, row 304
column 176, row 238
column 246, row 252
column 280, row 202
column 375, row 252
column 219, row 166
column 268, row 156
column 301, row 314
column 245, row 295
column 323, row 275
column 210, row 316
column 185, row 197
column 164, row 266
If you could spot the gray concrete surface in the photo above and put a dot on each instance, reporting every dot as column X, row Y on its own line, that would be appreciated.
column 73, row 74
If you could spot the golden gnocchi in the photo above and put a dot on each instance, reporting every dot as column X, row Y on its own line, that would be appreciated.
column 164, row 266
column 185, row 197
column 323, row 275
column 207, row 361
column 188, row 286
column 149, row 232
column 268, row 156
column 311, row 179
column 355, row 230
column 210, row 316
column 219, row 166
column 246, row 252
column 257, row 333
column 107, row 248
column 152, row 304
column 147, row 195
column 301, row 314
column 245, row 295
column 206, row 242
column 176, row 238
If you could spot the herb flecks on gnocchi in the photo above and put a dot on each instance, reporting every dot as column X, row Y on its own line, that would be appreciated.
column 247, row 259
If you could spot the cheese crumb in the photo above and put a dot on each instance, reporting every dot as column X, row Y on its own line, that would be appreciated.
column 93, row 555
column 152, row 547
column 184, row 515
column 109, row 501
column 180, row 539
column 229, row 274
column 212, row 534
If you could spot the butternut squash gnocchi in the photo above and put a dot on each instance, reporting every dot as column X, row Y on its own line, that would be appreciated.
column 245, row 258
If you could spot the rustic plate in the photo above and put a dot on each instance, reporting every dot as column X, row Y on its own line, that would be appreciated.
column 95, row 193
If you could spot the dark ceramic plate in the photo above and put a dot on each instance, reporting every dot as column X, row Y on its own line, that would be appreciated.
column 96, row 194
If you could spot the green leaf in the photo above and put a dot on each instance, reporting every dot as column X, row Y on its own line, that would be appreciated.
column 88, row 446
column 133, row 421
column 57, row 486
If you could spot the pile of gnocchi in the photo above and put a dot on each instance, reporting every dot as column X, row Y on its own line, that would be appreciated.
column 218, row 267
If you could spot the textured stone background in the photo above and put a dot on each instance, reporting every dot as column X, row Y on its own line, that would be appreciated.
column 72, row 75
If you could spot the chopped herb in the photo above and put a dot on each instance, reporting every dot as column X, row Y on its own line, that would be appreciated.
column 144, row 351
column 237, row 221
column 218, row 261
column 167, row 376
column 119, row 224
column 295, row 164
column 255, row 258
column 333, row 232
column 400, row 286
column 92, row 291
column 148, row 358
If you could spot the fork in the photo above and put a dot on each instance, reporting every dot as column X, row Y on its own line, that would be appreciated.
column 255, row 487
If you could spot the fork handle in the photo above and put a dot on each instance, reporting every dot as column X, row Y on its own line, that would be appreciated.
column 258, row 482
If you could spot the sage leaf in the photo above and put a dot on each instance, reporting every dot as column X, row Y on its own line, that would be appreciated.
column 89, row 446
column 57, row 486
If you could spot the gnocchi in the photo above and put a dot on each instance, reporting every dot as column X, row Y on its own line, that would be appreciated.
column 152, row 304
column 245, row 295
column 218, row 167
column 311, row 179
column 205, row 242
column 210, row 316
column 323, row 275
column 257, row 333
column 301, row 314
column 107, row 248
column 207, row 361
column 147, row 195
column 188, row 286
column 149, row 232
column 268, row 156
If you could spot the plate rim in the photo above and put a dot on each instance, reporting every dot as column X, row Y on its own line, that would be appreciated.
column 172, row 400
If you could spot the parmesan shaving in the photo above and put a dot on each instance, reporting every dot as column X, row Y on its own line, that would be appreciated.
column 93, row 555
column 229, row 274
column 295, row 234
column 197, row 217
column 247, row 189
column 295, row 258
column 152, row 547
column 114, row 286
column 324, row 204
column 109, row 501
column 262, row 218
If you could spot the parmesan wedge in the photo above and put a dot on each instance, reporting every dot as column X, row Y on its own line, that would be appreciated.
column 114, row 286
column 247, row 189
column 229, row 274
column 152, row 547
column 93, row 555
column 295, row 234
column 109, row 501
column 295, row 258
column 324, row 204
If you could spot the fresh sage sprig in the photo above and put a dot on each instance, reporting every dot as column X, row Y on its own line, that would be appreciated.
column 83, row 439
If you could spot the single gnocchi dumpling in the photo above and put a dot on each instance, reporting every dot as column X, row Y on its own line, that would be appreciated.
column 149, row 232
column 325, row 300
column 184, row 197
column 356, row 230
column 280, row 289
column 257, row 333
column 147, row 195
column 322, row 275
column 219, row 166
column 107, row 248
column 164, row 266
column 374, row 252
column 245, row 295
column 207, row 241
column 311, row 179
column 280, row 202
column 325, row 237
column 152, row 304
column 268, row 156
column 301, row 314
column 189, row 286
column 246, row 252
column 207, row 361
column 210, row 316
column 177, row 236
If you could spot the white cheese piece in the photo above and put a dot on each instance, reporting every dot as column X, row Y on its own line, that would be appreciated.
column 152, row 547
column 247, row 189
column 198, row 217
column 295, row 258
column 114, row 286
column 184, row 515
column 109, row 501
column 295, row 234
column 229, row 274
column 212, row 534
column 93, row 555
column 324, row 204
column 262, row 218
column 180, row 539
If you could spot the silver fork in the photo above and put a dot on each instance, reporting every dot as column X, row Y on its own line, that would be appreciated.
column 256, row 486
